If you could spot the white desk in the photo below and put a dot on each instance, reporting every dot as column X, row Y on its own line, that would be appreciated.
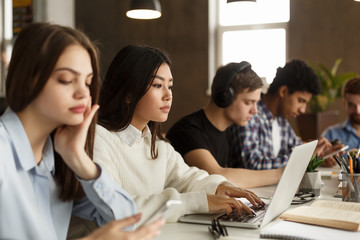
column 181, row 231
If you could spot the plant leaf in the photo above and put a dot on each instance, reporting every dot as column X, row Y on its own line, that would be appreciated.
column 315, row 162
column 331, row 85
column 336, row 66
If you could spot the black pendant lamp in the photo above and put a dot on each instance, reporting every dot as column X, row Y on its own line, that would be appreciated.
column 144, row 9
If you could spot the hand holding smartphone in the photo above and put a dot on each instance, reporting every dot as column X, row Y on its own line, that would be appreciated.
column 336, row 152
column 164, row 211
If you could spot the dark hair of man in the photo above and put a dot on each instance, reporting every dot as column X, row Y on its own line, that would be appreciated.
column 352, row 86
column 296, row 75
column 34, row 56
column 129, row 77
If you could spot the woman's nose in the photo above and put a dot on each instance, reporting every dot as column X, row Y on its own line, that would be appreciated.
column 82, row 91
column 168, row 94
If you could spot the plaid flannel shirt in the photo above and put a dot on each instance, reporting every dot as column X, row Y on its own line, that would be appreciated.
column 252, row 146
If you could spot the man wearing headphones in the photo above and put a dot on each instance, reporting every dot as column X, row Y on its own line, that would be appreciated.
column 201, row 137
column 268, row 139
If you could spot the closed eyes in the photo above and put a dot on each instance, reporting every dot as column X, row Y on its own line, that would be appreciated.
column 68, row 82
column 65, row 82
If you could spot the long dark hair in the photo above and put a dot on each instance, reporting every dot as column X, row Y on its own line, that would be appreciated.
column 127, row 80
column 35, row 54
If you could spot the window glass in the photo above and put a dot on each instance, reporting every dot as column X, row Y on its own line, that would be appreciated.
column 264, row 49
column 261, row 11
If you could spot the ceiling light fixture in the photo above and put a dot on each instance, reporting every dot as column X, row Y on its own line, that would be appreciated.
column 144, row 9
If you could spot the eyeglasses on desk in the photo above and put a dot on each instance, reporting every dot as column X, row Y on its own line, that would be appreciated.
column 217, row 230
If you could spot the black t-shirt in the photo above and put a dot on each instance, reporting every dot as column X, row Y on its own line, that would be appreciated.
column 195, row 131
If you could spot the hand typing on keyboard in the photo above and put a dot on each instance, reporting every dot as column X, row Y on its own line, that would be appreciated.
column 235, row 216
column 224, row 199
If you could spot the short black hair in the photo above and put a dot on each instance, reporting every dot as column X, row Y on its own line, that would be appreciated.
column 297, row 76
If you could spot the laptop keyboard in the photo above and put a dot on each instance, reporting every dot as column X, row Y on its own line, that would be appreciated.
column 244, row 217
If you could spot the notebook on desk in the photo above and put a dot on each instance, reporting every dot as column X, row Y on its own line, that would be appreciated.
column 281, row 199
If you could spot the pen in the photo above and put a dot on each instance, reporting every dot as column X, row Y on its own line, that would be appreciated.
column 217, row 230
column 344, row 162
column 351, row 166
column 355, row 165
column 339, row 162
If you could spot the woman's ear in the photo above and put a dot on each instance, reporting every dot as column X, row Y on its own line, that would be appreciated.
column 283, row 91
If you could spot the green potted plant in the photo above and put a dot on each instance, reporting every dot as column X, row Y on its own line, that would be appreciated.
column 318, row 116
column 311, row 182
column 331, row 86
column 315, row 162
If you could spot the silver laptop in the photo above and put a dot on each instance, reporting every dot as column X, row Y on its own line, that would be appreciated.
column 280, row 201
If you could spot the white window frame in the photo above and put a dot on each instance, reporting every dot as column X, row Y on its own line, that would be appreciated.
column 5, row 38
column 216, row 32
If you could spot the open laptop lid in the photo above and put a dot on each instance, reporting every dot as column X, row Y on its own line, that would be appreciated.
column 290, row 180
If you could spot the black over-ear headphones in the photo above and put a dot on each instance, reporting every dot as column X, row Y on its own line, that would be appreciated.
column 224, row 95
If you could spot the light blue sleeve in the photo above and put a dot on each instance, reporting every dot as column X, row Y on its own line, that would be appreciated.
column 6, row 154
column 105, row 201
column 327, row 134
column 2, row 159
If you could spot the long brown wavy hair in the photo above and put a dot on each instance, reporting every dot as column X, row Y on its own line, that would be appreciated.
column 35, row 54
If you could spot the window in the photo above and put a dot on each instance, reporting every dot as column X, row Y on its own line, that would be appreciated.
column 6, row 34
column 248, row 13
column 249, row 31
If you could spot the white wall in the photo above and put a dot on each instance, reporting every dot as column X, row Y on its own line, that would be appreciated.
column 55, row 11
column 61, row 12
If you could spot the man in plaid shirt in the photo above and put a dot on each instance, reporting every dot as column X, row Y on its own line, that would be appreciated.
column 268, row 139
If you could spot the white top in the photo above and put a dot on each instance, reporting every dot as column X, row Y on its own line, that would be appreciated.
column 126, row 156
column 30, row 207
column 276, row 139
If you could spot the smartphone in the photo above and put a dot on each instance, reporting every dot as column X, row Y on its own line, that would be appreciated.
column 335, row 142
column 164, row 211
column 336, row 152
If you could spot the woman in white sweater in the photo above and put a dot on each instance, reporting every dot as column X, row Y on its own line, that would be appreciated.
column 135, row 98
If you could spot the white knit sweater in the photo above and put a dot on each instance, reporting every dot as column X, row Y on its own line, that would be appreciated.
column 125, row 155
